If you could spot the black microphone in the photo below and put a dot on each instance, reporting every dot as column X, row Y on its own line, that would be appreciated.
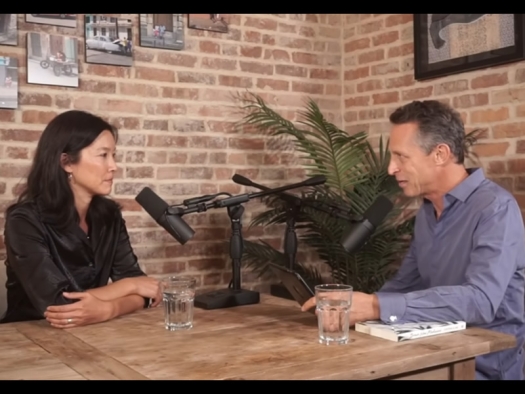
column 357, row 234
column 159, row 210
column 328, row 208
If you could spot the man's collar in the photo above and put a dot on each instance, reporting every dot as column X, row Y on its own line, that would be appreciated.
column 468, row 185
column 462, row 191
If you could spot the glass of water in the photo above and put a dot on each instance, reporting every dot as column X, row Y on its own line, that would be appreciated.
column 178, row 296
column 333, row 302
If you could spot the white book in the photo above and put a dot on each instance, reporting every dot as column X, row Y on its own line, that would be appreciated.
column 407, row 331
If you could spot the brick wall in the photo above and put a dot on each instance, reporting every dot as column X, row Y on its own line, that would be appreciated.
column 176, row 118
column 379, row 69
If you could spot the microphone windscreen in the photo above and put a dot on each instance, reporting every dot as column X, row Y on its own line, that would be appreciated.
column 152, row 203
column 378, row 211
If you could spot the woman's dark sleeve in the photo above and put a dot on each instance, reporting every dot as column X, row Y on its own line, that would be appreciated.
column 125, row 264
column 28, row 255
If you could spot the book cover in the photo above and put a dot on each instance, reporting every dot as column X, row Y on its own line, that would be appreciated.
column 407, row 331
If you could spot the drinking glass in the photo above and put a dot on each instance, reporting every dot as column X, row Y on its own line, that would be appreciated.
column 178, row 295
column 333, row 302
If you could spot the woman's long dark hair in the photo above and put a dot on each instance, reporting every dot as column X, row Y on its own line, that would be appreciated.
column 47, row 183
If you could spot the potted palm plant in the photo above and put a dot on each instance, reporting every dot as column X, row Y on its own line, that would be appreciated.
column 356, row 175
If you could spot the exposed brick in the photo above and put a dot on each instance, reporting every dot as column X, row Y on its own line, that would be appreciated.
column 372, row 56
column 361, row 72
column 418, row 93
column 386, row 38
column 470, row 100
column 180, row 130
column 358, row 44
column 487, row 81
column 489, row 115
column 402, row 50
column 398, row 19
column 508, row 130
column 491, row 149
column 385, row 98
column 451, row 87
column 385, row 68
column 38, row 99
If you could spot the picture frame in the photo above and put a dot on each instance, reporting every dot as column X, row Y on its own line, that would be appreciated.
column 162, row 31
column 447, row 44
column 8, row 82
column 211, row 22
column 62, row 20
column 52, row 60
column 9, row 29
column 108, row 40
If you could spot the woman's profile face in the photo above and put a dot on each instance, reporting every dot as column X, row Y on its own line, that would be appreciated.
column 93, row 174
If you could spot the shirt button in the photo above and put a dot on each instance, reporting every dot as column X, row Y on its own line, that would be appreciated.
column 393, row 318
column 91, row 264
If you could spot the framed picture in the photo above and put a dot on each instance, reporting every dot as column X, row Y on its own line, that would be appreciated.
column 211, row 22
column 8, row 29
column 8, row 82
column 108, row 40
column 52, row 60
column 64, row 20
column 446, row 44
column 162, row 31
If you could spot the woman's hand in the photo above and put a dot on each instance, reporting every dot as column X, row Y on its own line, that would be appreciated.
column 88, row 310
column 147, row 287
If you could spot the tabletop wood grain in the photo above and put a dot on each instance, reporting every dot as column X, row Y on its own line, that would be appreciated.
column 270, row 340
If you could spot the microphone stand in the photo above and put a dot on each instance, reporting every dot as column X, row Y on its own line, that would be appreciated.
column 290, row 246
column 234, row 295
column 290, row 238
column 237, row 248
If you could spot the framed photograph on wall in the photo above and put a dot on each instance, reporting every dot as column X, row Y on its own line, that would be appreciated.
column 446, row 44
column 52, row 60
column 108, row 40
column 211, row 22
column 161, row 31
column 64, row 20
column 9, row 29
column 8, row 82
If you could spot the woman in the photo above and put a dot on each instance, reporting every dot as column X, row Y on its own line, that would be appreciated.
column 64, row 239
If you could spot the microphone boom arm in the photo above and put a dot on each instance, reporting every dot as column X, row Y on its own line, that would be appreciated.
column 235, row 295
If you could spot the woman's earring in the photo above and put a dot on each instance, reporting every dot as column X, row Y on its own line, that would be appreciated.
column 69, row 176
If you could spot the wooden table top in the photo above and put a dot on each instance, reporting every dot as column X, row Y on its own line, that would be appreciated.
column 270, row 340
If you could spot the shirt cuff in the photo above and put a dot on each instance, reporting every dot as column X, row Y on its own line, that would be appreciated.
column 392, row 307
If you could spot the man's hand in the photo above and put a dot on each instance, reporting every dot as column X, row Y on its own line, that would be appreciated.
column 364, row 307
column 148, row 287
column 88, row 310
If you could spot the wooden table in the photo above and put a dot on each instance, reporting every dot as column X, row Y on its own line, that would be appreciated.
column 271, row 340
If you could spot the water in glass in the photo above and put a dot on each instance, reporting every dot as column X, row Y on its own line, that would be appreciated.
column 334, row 321
column 178, row 308
column 178, row 297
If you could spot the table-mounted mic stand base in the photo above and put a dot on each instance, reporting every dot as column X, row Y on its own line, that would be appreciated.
column 226, row 298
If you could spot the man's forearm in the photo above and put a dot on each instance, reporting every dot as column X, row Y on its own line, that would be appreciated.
column 125, row 305
column 113, row 291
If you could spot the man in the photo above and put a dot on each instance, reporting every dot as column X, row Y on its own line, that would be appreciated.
column 467, row 257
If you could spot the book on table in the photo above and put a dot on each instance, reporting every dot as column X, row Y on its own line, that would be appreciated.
column 406, row 331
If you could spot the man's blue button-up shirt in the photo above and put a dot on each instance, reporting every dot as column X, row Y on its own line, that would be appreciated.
column 467, row 265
